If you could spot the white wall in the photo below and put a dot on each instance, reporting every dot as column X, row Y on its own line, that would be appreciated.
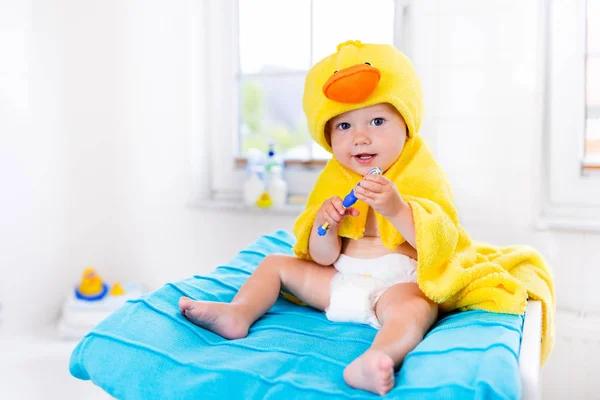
column 102, row 135
column 34, row 169
column 59, row 120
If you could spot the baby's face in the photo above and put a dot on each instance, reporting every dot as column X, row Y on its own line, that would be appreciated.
column 368, row 137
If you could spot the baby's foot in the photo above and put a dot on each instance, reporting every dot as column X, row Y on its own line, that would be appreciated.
column 372, row 371
column 224, row 319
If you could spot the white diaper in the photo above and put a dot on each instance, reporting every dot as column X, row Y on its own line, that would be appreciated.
column 360, row 282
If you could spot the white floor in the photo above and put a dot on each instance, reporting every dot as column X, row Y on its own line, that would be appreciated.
column 36, row 366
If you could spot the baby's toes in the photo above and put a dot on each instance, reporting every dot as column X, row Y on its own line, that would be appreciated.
column 185, row 303
column 386, row 373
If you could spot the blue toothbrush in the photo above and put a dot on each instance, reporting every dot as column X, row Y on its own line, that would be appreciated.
column 349, row 200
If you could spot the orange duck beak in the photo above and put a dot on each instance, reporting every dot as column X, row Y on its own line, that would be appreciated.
column 353, row 84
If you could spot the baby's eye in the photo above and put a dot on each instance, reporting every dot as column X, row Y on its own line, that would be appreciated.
column 343, row 126
column 377, row 121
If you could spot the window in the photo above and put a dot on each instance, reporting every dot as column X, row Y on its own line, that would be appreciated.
column 572, row 183
column 256, row 71
column 592, row 127
column 273, row 67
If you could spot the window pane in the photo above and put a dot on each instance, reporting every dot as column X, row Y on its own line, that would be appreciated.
column 335, row 21
column 593, row 26
column 592, row 123
column 592, row 146
column 592, row 143
column 274, row 35
column 271, row 109
column 593, row 82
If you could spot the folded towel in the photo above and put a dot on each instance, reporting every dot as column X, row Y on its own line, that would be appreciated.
column 147, row 350
column 452, row 270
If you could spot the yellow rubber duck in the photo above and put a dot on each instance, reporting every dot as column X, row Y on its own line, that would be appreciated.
column 117, row 290
column 91, row 286
column 264, row 201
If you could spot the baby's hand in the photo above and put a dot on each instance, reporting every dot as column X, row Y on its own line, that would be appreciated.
column 333, row 212
column 381, row 194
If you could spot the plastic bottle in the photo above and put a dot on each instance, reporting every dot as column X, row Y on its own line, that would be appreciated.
column 253, row 187
column 273, row 159
column 256, row 163
column 278, row 187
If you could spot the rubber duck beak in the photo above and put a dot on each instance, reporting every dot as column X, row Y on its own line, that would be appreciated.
column 353, row 84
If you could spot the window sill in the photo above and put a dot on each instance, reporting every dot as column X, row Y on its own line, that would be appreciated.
column 241, row 162
column 591, row 167
column 239, row 206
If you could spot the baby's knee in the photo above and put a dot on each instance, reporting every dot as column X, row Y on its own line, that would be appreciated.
column 423, row 313
column 417, row 312
column 275, row 261
column 423, row 309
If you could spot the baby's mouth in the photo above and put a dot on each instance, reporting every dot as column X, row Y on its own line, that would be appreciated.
column 365, row 158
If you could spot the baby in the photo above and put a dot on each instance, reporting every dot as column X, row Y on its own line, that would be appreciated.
column 356, row 278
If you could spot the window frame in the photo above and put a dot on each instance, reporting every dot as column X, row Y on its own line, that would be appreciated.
column 570, row 192
column 226, row 173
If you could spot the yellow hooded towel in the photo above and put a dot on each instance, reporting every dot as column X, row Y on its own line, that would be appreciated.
column 452, row 270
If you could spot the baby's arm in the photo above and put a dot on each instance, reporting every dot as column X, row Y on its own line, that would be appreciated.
column 326, row 249
column 404, row 222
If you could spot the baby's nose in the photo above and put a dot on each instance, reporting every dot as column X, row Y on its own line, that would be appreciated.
column 361, row 138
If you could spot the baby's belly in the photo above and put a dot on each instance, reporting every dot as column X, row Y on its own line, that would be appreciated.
column 372, row 247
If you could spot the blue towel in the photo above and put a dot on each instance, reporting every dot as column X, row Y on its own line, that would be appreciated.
column 148, row 350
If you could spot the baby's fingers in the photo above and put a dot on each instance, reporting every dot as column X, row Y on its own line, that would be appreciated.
column 373, row 186
column 334, row 216
column 338, row 204
column 363, row 194
column 353, row 212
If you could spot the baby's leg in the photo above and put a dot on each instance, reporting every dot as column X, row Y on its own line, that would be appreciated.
column 306, row 280
column 405, row 315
